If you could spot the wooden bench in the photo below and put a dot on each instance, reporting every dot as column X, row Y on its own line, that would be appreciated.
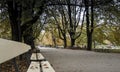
column 37, row 57
column 46, row 67
column 39, row 64
column 9, row 50
column 34, row 67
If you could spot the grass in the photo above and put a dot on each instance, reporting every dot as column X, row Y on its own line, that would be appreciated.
column 107, row 50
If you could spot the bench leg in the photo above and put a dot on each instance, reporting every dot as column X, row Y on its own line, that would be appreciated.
column 0, row 68
column 15, row 65
column 27, row 56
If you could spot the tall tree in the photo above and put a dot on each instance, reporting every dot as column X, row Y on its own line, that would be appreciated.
column 16, row 9
column 70, row 13
column 75, row 18
column 58, row 14
column 89, row 24
column 33, row 16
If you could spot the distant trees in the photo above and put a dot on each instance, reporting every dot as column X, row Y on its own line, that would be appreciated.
column 75, row 18
column 106, row 15
column 61, row 23
column 104, row 8
column 113, row 35
column 66, row 15
column 5, row 29
column 107, row 32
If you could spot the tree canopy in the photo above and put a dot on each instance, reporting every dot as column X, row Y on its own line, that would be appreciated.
column 71, row 19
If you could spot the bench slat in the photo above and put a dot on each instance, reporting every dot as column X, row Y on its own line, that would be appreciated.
column 40, row 56
column 34, row 67
column 11, row 49
column 46, row 67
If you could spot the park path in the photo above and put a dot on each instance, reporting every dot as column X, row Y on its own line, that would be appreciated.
column 66, row 60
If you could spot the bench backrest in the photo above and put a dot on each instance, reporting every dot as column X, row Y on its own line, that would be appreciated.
column 11, row 49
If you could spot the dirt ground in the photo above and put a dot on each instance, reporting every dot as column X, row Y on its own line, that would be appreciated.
column 66, row 60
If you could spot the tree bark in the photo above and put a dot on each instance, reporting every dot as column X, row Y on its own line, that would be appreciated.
column 65, row 41
column 53, row 39
column 72, row 42
column 89, row 26
column 14, row 15
column 28, row 36
column 89, row 42
column 28, row 39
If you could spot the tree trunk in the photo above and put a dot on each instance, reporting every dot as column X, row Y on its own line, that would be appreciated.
column 89, row 42
column 72, row 42
column 65, row 41
column 94, row 45
column 71, row 33
column 89, row 27
column 54, row 41
column 16, row 32
column 28, row 36
column 28, row 39
column 15, row 16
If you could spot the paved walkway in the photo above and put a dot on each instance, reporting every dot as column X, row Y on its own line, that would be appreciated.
column 66, row 60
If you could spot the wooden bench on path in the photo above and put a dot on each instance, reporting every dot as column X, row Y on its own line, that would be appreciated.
column 39, row 64
column 11, row 51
